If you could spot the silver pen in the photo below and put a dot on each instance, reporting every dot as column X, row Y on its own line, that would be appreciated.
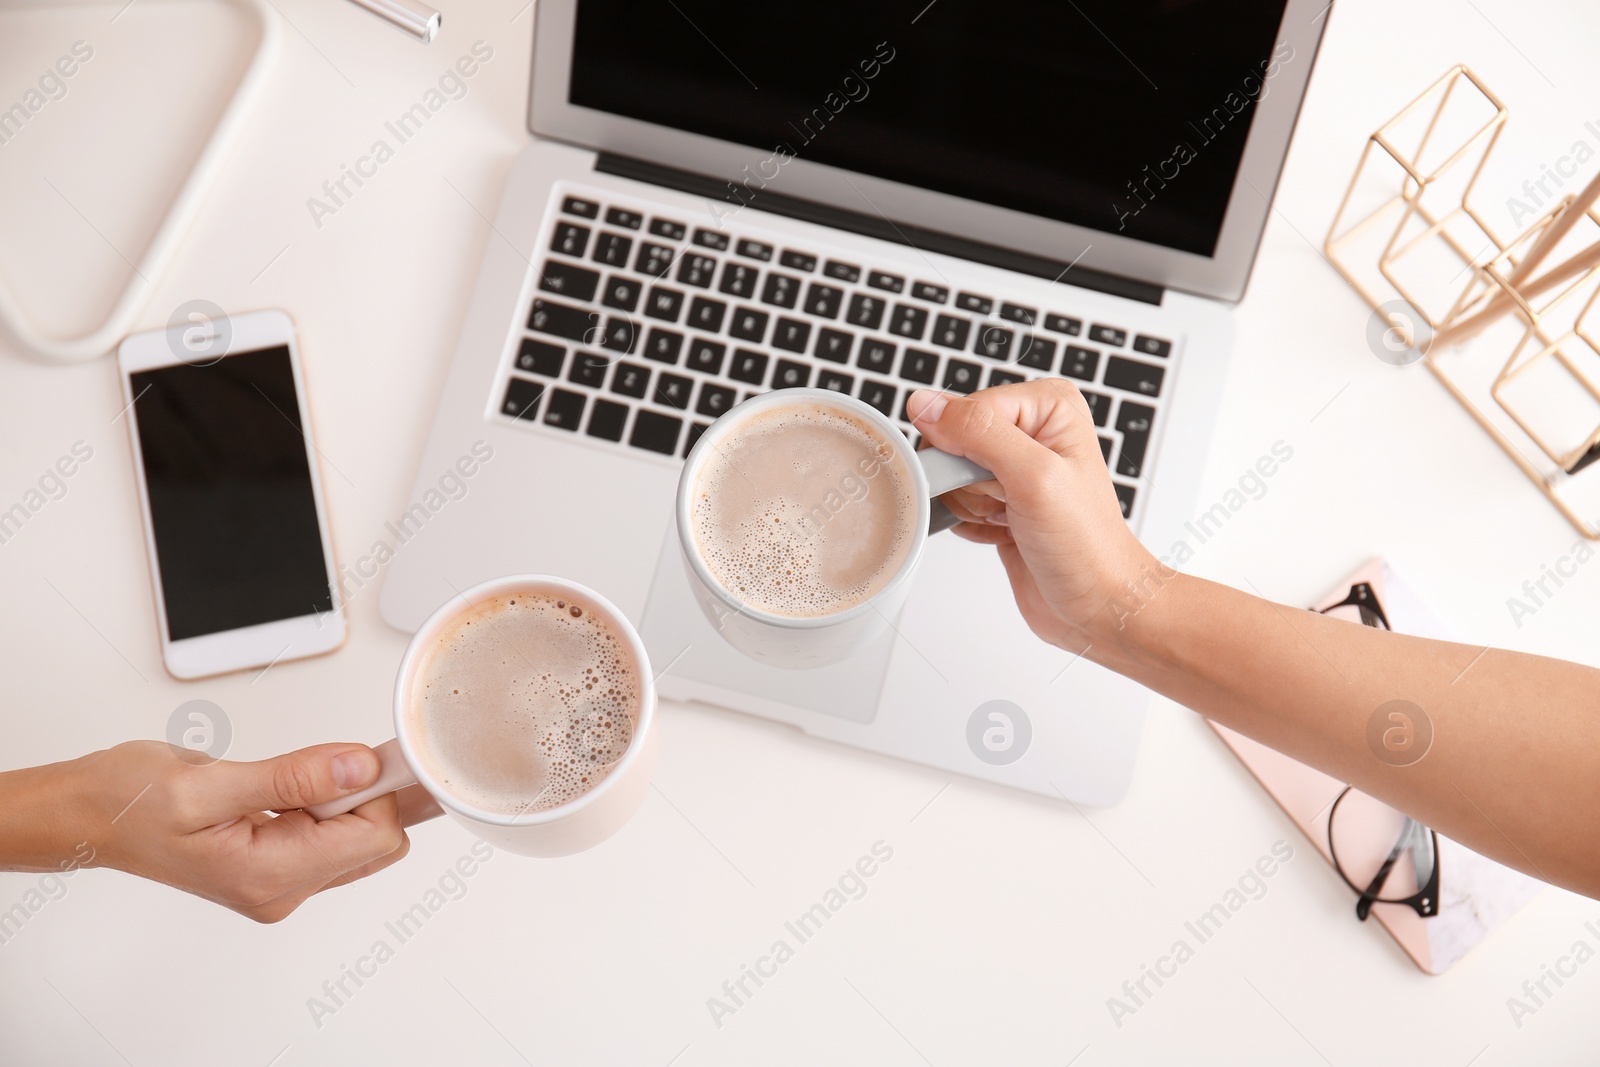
column 414, row 17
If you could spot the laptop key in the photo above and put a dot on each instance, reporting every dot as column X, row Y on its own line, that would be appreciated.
column 714, row 399
column 865, row 311
column 673, row 390
column 995, row 343
column 706, row 314
column 711, row 239
column 972, row 302
column 561, row 320
column 1124, row 497
column 672, row 231
column 1003, row 377
column 756, row 250
column 876, row 355
column 889, row 283
column 1134, row 421
column 655, row 431
column 695, row 430
column 1106, row 445
column 606, row 419
column 823, row 300
column 1080, row 363
column 631, row 379
column 612, row 249
column 589, row 368
column 1152, row 346
column 749, row 367
column 791, row 335
column 951, row 331
column 664, row 304
column 880, row 395
column 565, row 410
column 1133, row 376
column 934, row 294
column 663, row 346
column 842, row 272
column 697, row 270
column 908, row 321
column 621, row 335
column 567, row 279
column 630, row 220
column 705, row 356
column 961, row 376
column 919, row 366
column 1017, row 313
column 586, row 209
column 798, row 261
column 781, row 290
column 1099, row 406
column 738, row 279
column 1036, row 352
column 834, row 345
column 536, row 357
column 570, row 240
column 522, row 399
column 622, row 293
column 654, row 260
column 791, row 375
column 1063, row 324
column 837, row 382
column 749, row 324
column 1108, row 335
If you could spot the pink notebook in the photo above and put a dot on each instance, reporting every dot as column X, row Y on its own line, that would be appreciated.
column 1476, row 894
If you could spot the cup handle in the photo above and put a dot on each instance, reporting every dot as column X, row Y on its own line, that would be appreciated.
column 946, row 472
column 393, row 773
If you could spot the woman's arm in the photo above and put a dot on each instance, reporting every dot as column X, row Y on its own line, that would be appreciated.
column 208, row 828
column 1511, row 769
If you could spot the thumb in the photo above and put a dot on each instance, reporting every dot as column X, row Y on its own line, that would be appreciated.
column 294, row 780
column 983, row 428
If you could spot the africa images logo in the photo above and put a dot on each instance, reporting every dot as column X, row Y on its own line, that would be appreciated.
column 1399, row 733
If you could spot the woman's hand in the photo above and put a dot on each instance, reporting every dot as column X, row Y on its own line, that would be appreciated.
column 1517, row 787
column 154, row 810
column 1050, row 509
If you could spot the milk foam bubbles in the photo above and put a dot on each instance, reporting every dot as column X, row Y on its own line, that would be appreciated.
column 524, row 702
column 803, row 510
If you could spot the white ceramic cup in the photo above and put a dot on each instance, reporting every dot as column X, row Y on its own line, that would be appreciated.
column 816, row 641
column 580, row 823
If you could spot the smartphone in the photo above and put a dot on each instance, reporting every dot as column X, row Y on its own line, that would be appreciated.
column 234, row 519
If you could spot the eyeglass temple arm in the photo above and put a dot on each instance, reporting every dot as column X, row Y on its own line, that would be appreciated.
column 1428, row 906
column 1363, row 598
column 1370, row 894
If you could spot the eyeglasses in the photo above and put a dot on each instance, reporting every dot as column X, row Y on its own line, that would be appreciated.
column 1364, row 599
column 1367, row 839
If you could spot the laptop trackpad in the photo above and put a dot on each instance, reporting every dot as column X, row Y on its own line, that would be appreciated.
column 694, row 662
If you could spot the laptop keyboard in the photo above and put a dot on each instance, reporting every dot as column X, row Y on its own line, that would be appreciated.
column 644, row 328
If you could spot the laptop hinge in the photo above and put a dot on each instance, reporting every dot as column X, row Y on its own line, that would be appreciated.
column 878, row 226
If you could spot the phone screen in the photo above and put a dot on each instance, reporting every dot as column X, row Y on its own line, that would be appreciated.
column 231, row 499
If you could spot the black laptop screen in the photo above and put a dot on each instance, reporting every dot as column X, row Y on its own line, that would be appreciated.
column 1127, row 116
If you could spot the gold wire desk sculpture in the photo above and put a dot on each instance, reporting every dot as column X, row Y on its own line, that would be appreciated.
column 1515, row 347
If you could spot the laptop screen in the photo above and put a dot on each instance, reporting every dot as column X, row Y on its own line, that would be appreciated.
column 1126, row 116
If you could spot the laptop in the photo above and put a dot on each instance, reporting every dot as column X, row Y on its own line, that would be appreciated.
column 717, row 200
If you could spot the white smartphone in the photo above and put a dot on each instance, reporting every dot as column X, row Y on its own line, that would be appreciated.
column 232, row 498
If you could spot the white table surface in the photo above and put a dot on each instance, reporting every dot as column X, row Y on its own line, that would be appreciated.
column 1003, row 922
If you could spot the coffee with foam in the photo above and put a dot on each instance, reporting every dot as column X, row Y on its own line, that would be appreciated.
column 525, row 701
column 803, row 510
